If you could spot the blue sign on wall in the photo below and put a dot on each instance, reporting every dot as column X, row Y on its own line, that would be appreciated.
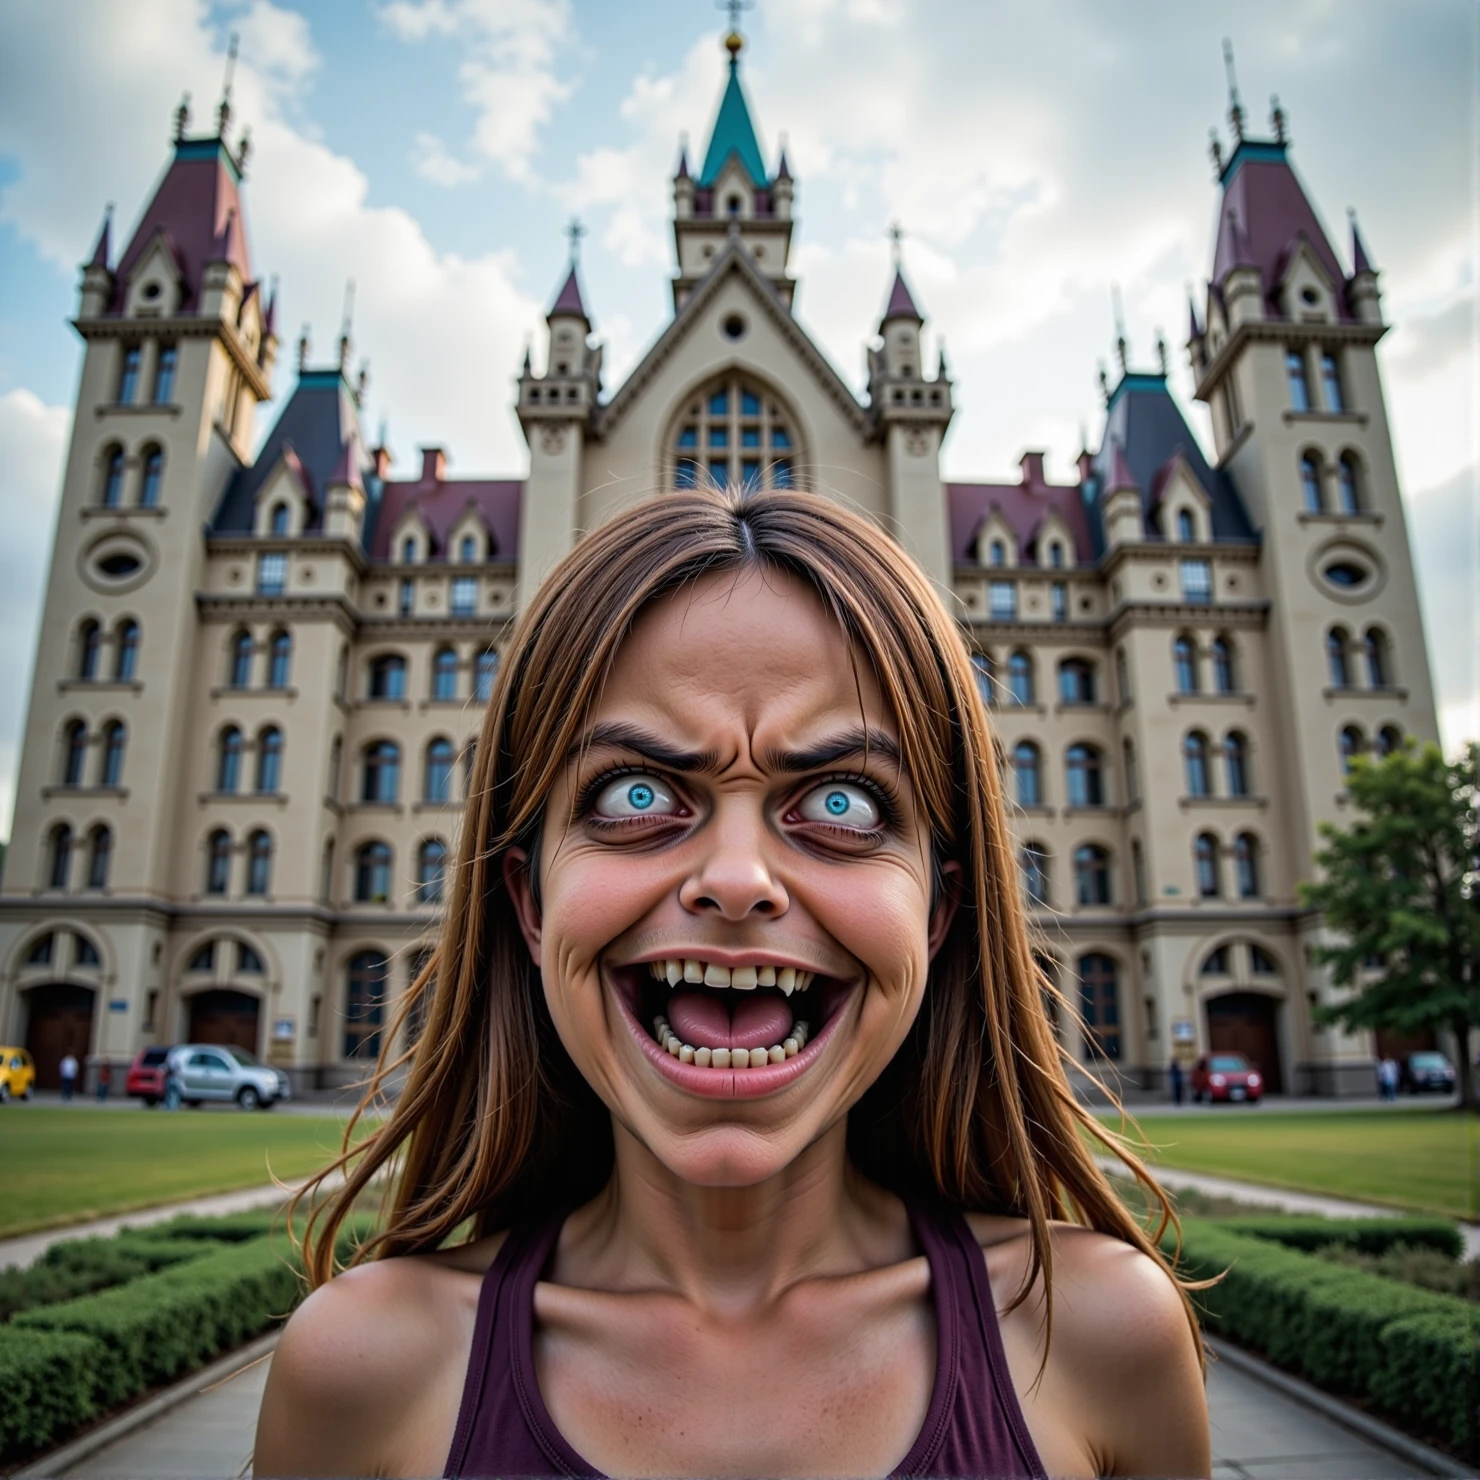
column 118, row 1004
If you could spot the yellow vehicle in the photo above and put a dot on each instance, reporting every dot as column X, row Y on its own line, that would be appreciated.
column 17, row 1074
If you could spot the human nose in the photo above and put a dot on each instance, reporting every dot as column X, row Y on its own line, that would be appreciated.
column 732, row 877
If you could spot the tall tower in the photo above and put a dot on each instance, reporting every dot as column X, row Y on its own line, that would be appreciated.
column 179, row 350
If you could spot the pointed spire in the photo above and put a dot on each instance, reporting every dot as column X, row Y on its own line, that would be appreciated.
column 528, row 365
column 1120, row 470
column 942, row 372
column 1235, row 108
column 1360, row 260
column 1215, row 153
column 683, row 159
column 783, row 169
column 269, row 323
column 901, row 301
column 101, row 252
column 734, row 133
column 303, row 350
column 1161, row 354
column 569, row 299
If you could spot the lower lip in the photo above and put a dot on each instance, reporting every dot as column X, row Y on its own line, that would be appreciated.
column 731, row 1084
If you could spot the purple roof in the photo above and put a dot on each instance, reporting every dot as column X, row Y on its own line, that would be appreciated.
column 1360, row 260
column 569, row 298
column 901, row 304
column 1120, row 471
column 1023, row 507
column 442, row 502
column 99, row 256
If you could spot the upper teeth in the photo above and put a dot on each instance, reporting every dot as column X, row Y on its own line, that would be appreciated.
column 742, row 978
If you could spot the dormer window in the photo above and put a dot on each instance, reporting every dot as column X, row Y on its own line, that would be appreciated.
column 998, row 554
column 128, row 380
column 408, row 551
column 1056, row 555
column 732, row 205
column 468, row 551
column 279, row 519
column 1186, row 530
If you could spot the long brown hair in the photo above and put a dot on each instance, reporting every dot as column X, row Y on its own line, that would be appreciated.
column 494, row 1125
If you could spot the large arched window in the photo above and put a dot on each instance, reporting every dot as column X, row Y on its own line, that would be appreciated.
column 437, row 777
column 111, row 493
column 1236, row 763
column 373, row 873
column 365, row 980
column 115, row 743
column 431, row 871
column 1033, row 860
column 1027, row 773
column 1351, row 745
column 1091, row 875
column 381, row 781
column 125, row 650
column 484, row 675
column 1337, row 667
column 1020, row 678
column 1246, row 865
column 279, row 660
column 388, row 677
column 74, row 753
column 1311, row 494
column 1205, row 859
column 270, row 761
column 89, row 646
column 1195, row 761
column 1099, row 1003
column 444, row 674
column 1086, row 776
column 1375, row 647
column 59, row 870
column 218, row 862
column 153, row 480
column 99, row 857
column 1077, row 681
column 734, row 433
column 259, row 863
column 1225, row 674
column 229, row 759
column 241, row 660
column 1184, row 664
column 1348, row 485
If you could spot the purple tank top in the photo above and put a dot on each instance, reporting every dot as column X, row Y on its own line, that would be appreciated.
column 973, row 1427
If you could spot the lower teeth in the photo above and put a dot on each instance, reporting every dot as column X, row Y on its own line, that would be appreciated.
column 730, row 1058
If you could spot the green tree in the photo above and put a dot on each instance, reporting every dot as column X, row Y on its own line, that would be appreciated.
column 1400, row 891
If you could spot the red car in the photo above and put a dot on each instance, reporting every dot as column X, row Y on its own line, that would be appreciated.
column 146, row 1075
column 1226, row 1076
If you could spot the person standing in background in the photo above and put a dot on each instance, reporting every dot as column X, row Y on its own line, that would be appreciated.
column 1177, row 1080
column 105, row 1080
column 68, row 1071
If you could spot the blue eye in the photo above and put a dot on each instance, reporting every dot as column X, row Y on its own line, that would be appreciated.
column 840, row 802
column 634, row 796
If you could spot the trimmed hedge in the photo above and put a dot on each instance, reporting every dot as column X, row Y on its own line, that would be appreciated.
column 46, row 1382
column 1411, row 1351
column 1365, row 1235
column 80, row 1266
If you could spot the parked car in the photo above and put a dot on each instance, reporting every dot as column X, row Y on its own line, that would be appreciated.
column 145, row 1077
column 1418, row 1072
column 1226, row 1076
column 210, row 1071
column 17, row 1075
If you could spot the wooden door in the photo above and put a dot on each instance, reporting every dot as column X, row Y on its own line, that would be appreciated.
column 59, row 1022
column 1244, row 1022
column 224, row 1017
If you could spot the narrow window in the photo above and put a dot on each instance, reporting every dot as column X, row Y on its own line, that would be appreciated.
column 1056, row 555
column 1186, row 529
column 229, row 760
column 1348, row 486
column 259, row 863
column 388, row 677
column 1337, row 667
column 1205, row 853
column 60, row 873
column 1197, row 582
column 1374, row 645
column 999, row 554
column 164, row 374
column 437, row 779
column 126, row 650
column 1236, row 764
column 1132, row 774
column 408, row 597
column 468, row 551
column 366, row 979
column 1086, row 777
column 464, row 596
column 408, row 550
column 1311, row 494
column 1295, row 372
column 218, row 862
column 89, row 645
column 1331, row 382
column 115, row 741
column 1091, row 875
column 1389, row 739
column 1059, row 596
column 1184, row 665
column 1122, row 676
column 113, row 478
column 278, row 520
column 128, row 378
column 272, row 573
column 1246, row 867
column 336, row 754
column 1138, row 870
column 1020, row 678
column 270, row 761
column 373, row 874
column 1195, row 761
column 1099, row 1004
column 381, row 781
column 99, row 857
column 1027, row 773
column 279, row 660
column 149, row 489
column 1225, row 680
column 1033, row 862
column 74, row 753
column 444, row 674
column 485, row 674
column 981, row 668
column 326, row 873
column 431, row 871
column 241, row 660
column 1002, row 601
column 1352, row 745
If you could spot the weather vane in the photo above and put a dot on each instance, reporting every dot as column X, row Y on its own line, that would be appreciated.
column 896, row 236
column 575, row 231
column 736, row 9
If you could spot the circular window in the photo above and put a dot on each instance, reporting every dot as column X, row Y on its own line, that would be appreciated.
column 1309, row 295
column 1347, row 570
column 151, row 291
column 1346, row 574
column 734, row 326
column 116, row 563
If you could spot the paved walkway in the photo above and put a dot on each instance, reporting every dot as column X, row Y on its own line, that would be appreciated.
column 1258, row 1434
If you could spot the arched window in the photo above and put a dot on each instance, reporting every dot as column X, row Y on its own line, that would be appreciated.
column 125, row 650
column 1184, row 664
column 115, row 742
column 204, row 959
column 153, row 481
column 259, row 863
column 128, row 375
column 468, row 550
column 1352, row 745
column 981, row 667
column 1077, row 681
column 1091, row 875
column 41, row 951
column 365, row 982
column 89, row 646
column 1295, row 373
column 1312, row 495
column 1056, row 555
column 431, row 871
column 485, row 675
column 1225, row 675
column 1246, row 865
column 279, row 660
column 1099, row 1004
column 998, row 553
column 112, row 490
column 381, row 781
column 1331, row 382
column 277, row 521
column 74, row 753
column 241, row 660
column 1033, row 861
column 218, row 862
column 1027, row 774
column 1195, row 762
column 270, row 761
column 1205, row 859
column 59, row 874
column 373, row 873
column 444, row 674
column 1132, row 773
column 408, row 550
column 1020, row 678
column 388, row 676
column 84, row 952
column 1389, row 739
column 734, row 434
column 1186, row 528
column 1375, row 646
column 1086, row 776
column 437, row 781
column 1348, row 485
column 229, row 759
column 1236, row 763
column 248, row 962
column 164, row 374
column 1336, row 663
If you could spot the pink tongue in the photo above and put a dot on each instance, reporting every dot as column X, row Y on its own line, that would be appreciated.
column 709, row 1021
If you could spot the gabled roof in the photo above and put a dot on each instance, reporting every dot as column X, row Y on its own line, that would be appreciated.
column 733, row 134
column 441, row 502
column 1023, row 508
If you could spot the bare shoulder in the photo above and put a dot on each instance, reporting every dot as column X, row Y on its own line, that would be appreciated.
column 363, row 1376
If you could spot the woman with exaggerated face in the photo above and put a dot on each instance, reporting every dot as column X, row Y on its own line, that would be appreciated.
column 738, row 1141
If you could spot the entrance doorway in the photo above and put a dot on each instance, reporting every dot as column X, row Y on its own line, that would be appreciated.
column 225, row 1017
column 59, row 1023
column 1244, row 1022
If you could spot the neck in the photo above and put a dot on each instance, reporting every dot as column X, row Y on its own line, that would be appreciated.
column 732, row 1249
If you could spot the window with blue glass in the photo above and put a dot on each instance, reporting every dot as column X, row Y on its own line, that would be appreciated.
column 733, row 435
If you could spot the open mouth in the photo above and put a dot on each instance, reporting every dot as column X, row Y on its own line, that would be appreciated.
column 703, row 1021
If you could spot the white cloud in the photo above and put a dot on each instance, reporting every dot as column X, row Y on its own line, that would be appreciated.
column 430, row 160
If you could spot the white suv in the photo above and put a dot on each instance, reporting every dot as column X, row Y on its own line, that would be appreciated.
column 209, row 1071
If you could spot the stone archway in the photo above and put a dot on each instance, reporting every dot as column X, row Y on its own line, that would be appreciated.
column 231, row 1019
column 1247, row 1023
column 59, row 1021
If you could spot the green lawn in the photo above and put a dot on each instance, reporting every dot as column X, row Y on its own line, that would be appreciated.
column 65, row 1166
column 1423, row 1160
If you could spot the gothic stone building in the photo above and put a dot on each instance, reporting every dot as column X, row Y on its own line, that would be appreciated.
column 258, row 678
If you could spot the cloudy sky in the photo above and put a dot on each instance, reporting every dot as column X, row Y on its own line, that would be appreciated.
column 433, row 149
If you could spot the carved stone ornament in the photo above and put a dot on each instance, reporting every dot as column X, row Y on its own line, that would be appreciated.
column 916, row 443
column 552, row 440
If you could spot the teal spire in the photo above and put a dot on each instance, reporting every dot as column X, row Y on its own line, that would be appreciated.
column 733, row 131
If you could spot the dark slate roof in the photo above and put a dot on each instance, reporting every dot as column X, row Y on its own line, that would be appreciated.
column 1145, row 427
column 320, row 425
column 441, row 503
column 1024, row 506
column 733, row 134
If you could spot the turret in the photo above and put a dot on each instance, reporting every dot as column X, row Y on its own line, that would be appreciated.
column 1121, row 503
column 97, row 277
column 344, row 498
column 1362, row 294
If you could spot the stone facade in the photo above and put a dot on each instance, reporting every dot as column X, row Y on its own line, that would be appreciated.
column 258, row 679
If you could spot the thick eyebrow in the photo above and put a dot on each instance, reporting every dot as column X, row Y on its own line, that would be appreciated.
column 618, row 736
column 856, row 742
column 845, row 746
